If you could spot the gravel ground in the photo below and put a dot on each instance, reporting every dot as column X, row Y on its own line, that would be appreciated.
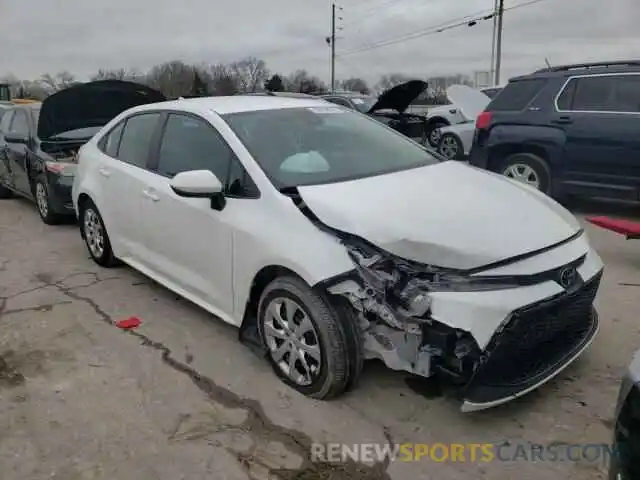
column 180, row 398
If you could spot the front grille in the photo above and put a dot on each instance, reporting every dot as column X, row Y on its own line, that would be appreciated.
column 535, row 342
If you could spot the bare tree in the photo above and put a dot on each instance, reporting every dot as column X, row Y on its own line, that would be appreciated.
column 355, row 85
column 251, row 73
column 174, row 79
column 301, row 81
column 59, row 81
column 117, row 74
column 223, row 80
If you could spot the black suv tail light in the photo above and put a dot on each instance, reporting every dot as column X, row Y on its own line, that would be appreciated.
column 483, row 121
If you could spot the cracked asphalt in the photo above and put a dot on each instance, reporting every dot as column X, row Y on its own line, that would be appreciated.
column 180, row 398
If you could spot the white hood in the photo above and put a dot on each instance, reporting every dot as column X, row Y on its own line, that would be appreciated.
column 470, row 102
column 448, row 215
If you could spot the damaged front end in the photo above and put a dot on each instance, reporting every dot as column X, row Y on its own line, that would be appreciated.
column 392, row 298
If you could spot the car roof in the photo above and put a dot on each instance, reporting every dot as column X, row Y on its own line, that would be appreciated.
column 233, row 104
column 345, row 94
column 620, row 66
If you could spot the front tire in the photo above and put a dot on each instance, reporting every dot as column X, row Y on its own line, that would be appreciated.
column 95, row 235
column 304, row 338
column 529, row 169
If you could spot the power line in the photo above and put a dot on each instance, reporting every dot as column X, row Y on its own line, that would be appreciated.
column 468, row 20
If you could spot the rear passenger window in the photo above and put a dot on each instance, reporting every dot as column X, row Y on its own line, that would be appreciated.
column 594, row 94
column 516, row 95
column 110, row 142
column 136, row 138
column 627, row 93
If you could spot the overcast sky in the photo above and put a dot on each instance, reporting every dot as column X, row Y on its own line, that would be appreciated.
column 84, row 35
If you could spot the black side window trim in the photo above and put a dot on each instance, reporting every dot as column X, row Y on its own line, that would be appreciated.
column 154, row 158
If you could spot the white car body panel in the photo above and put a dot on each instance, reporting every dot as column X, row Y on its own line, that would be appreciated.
column 445, row 215
column 415, row 214
column 464, row 131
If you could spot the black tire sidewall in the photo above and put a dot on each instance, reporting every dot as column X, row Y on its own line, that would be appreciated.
column 106, row 259
column 296, row 290
column 536, row 163
column 459, row 147
column 50, row 218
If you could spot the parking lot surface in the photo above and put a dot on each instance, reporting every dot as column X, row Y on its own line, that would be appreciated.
column 181, row 398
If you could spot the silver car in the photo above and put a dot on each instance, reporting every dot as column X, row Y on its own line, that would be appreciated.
column 626, row 437
column 456, row 140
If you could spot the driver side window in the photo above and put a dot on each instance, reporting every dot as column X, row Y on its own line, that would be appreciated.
column 189, row 143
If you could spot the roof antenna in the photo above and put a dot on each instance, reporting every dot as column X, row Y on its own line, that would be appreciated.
column 546, row 60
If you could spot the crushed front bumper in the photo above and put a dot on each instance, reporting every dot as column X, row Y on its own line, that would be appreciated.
column 536, row 344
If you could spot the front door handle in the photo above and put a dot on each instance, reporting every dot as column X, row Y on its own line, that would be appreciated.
column 151, row 195
column 105, row 173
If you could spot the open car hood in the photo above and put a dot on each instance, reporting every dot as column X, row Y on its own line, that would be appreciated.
column 447, row 215
column 92, row 104
column 471, row 102
column 399, row 97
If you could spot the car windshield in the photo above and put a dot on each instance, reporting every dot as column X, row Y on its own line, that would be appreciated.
column 316, row 145
column 364, row 104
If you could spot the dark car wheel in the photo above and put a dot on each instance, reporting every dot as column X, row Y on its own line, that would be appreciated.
column 529, row 169
column 432, row 132
column 43, row 203
column 95, row 235
column 304, row 338
column 451, row 147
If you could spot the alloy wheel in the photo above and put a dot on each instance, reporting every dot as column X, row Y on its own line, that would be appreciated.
column 449, row 147
column 523, row 173
column 41, row 199
column 292, row 340
column 94, row 232
column 434, row 136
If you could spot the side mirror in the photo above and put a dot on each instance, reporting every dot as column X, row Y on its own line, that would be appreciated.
column 16, row 138
column 196, row 184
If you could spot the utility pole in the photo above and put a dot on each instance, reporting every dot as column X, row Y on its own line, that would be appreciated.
column 333, row 47
column 499, row 42
column 493, row 40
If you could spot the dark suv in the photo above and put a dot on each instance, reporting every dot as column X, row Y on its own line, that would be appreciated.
column 572, row 129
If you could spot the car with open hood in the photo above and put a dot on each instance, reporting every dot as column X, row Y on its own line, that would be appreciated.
column 329, row 238
column 456, row 140
column 39, row 141
column 389, row 108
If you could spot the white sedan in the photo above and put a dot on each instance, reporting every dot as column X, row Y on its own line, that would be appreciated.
column 329, row 238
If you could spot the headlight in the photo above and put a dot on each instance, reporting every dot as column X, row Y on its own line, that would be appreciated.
column 446, row 281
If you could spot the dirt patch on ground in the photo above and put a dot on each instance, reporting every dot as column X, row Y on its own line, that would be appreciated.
column 17, row 365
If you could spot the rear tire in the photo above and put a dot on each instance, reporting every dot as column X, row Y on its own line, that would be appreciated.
column 323, row 366
column 528, row 168
column 451, row 147
column 43, row 204
column 95, row 235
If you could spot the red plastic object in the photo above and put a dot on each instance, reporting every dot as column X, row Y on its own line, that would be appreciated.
column 624, row 227
column 131, row 322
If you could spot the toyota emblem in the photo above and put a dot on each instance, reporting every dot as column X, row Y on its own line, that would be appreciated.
column 568, row 277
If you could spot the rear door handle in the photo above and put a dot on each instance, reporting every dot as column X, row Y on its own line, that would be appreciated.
column 564, row 120
column 151, row 195
column 104, row 172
